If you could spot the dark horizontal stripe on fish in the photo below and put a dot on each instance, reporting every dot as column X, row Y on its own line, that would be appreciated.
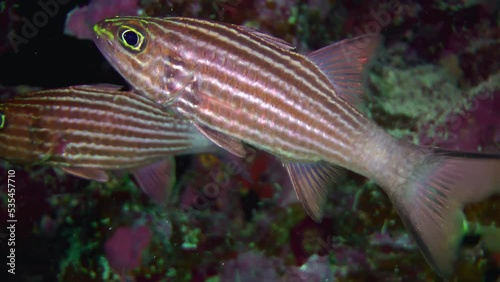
column 69, row 127
column 284, row 81
column 100, row 101
column 231, row 94
column 249, row 49
column 108, row 133
column 87, row 116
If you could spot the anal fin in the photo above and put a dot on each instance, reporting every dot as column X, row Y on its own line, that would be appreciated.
column 311, row 181
column 156, row 180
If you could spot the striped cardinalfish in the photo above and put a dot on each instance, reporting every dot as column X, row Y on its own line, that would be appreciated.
column 88, row 130
column 240, row 87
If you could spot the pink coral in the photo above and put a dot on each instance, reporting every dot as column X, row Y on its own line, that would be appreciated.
column 80, row 21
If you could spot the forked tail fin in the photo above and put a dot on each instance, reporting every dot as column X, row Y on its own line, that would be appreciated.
column 433, row 198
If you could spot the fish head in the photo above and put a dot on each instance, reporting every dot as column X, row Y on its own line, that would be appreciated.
column 2, row 118
column 8, row 121
column 16, row 140
column 146, row 53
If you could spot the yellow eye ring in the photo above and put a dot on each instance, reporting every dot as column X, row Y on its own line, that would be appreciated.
column 132, row 39
column 2, row 120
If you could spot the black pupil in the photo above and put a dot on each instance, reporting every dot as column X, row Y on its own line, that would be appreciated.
column 131, row 37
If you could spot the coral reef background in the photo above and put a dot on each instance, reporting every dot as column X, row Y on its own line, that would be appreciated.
column 435, row 80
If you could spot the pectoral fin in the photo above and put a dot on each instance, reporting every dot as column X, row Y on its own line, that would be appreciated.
column 157, row 179
column 88, row 173
column 311, row 182
column 228, row 143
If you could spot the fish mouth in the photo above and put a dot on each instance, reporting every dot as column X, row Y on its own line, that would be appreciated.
column 102, row 32
column 103, row 39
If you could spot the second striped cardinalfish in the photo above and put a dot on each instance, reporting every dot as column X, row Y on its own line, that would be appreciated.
column 240, row 86
column 87, row 130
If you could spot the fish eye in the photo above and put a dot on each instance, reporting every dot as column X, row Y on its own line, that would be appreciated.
column 2, row 121
column 132, row 39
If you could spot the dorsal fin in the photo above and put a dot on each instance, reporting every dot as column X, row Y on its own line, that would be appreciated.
column 278, row 42
column 98, row 87
column 342, row 63
column 157, row 179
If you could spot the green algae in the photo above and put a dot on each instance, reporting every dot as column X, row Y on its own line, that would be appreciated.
column 420, row 93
